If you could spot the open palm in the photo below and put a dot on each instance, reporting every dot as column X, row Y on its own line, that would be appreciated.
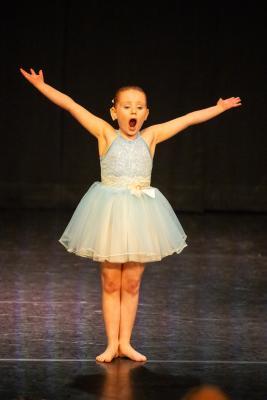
column 33, row 78
column 229, row 103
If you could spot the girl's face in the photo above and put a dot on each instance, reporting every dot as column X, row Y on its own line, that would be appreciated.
column 130, row 110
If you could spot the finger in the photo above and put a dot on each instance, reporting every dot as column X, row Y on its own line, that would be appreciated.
column 22, row 71
column 32, row 70
column 26, row 74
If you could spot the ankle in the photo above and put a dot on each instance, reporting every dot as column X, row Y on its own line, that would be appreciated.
column 124, row 343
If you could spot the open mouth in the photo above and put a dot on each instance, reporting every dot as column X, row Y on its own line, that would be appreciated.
column 132, row 122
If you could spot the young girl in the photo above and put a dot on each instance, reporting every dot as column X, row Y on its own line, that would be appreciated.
column 123, row 222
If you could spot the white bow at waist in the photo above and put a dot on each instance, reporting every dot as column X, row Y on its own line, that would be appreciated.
column 136, row 184
column 138, row 191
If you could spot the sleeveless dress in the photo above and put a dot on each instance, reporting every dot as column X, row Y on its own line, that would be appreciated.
column 123, row 218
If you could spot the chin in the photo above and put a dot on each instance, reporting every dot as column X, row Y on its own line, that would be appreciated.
column 132, row 129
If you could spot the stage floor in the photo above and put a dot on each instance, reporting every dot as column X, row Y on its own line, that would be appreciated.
column 201, row 319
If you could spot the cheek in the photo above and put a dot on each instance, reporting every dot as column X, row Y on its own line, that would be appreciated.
column 123, row 116
column 121, row 113
column 145, row 115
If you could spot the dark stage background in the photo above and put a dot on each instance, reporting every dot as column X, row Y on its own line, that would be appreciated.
column 185, row 56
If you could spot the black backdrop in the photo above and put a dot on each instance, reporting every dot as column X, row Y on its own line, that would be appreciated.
column 185, row 56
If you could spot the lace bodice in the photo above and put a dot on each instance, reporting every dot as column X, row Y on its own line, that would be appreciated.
column 128, row 163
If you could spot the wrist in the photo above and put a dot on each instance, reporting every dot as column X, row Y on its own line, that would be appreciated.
column 39, row 85
column 220, row 108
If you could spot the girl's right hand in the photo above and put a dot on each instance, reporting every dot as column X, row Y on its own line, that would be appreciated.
column 33, row 78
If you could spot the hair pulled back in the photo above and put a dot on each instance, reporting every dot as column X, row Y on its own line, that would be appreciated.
column 123, row 88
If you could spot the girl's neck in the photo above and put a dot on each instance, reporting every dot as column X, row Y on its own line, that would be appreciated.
column 128, row 137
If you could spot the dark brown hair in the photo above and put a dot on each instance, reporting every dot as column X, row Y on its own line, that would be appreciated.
column 123, row 88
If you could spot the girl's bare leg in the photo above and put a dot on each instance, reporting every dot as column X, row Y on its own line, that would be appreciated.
column 111, row 286
column 130, row 283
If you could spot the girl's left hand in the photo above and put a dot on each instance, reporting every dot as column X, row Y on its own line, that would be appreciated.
column 229, row 103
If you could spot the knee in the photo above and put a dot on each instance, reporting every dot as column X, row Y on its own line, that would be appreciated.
column 131, row 285
column 110, row 285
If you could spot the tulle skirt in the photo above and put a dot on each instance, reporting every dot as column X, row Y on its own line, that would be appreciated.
column 113, row 224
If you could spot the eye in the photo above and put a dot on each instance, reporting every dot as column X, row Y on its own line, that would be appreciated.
column 140, row 108
column 126, row 106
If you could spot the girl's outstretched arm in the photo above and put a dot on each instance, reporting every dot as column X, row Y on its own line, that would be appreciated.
column 96, row 126
column 168, row 129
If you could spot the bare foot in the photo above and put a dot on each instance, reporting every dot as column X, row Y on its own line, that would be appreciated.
column 126, row 350
column 110, row 353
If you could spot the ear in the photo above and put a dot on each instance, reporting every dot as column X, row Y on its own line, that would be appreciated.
column 113, row 113
column 147, row 113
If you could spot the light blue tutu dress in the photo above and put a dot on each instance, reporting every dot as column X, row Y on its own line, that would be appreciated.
column 123, row 218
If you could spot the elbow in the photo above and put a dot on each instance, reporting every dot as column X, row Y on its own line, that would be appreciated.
column 190, row 120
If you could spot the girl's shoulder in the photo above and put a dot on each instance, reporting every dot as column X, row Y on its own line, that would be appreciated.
column 148, row 134
column 105, row 140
